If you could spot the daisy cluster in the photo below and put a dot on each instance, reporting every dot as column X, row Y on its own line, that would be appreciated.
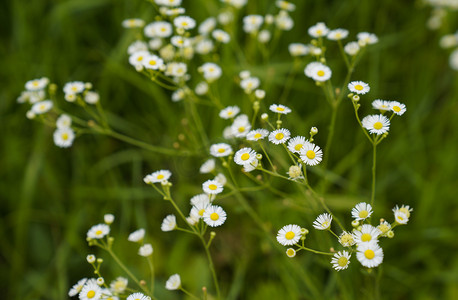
column 318, row 70
column 202, row 206
column 261, row 27
column 375, row 124
column 362, row 240
column 440, row 10
column 39, row 94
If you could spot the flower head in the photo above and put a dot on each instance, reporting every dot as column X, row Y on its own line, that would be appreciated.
column 361, row 211
column 229, row 112
column 381, row 105
column 289, row 234
column 63, row 137
column 341, row 260
column 318, row 30
column 91, row 290
column 220, row 150
column 98, row 231
column 137, row 235
column 212, row 187
column 337, row 34
column 279, row 136
column 257, row 134
column 173, row 283
column 311, row 154
column 145, row 250
column 169, row 223
column 296, row 143
column 376, row 124
column 369, row 255
column 184, row 22
column 359, row 87
column 398, row 108
column 245, row 156
column 76, row 288
column 214, row 216
column 119, row 285
column 42, row 107
column 347, row 239
column 280, row 109
column 367, row 234
column 290, row 252
column 323, row 221
column 137, row 296
column 158, row 176
column 208, row 166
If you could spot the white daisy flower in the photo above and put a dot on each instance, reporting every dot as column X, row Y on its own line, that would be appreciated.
column 204, row 46
column 211, row 71
column 295, row 172
column 176, row 69
column 91, row 97
column 352, row 48
column 214, row 216
column 285, row 5
column 201, row 88
column 178, row 95
column 207, row 26
column 290, row 252
column 199, row 199
column 208, row 166
column 308, row 71
column 245, row 156
column 376, row 124
column 250, row 84
column 90, row 291
column 289, row 235
column 369, row 255
column 298, row 49
column 366, row 38
column 296, row 143
column 91, row 258
column 63, row 137
column 257, row 134
column 212, row 187
column 153, row 62
column 321, row 73
column 244, row 74
column 241, row 126
column 169, row 3
column 154, row 44
column 381, row 105
column 169, row 223
column 367, row 234
column 137, row 235
column 318, row 30
column 279, row 136
column 133, row 23
column 36, row 84
column 359, row 87
column 64, row 121
column 184, row 22
column 145, row 250
column 251, row 166
column 119, row 285
column 311, row 154
column 138, row 296
column 136, row 47
column 340, row 260
column 42, row 107
column 179, row 41
column 74, row 87
column 229, row 112
column 264, row 36
column 337, row 34
column 220, row 150
column 347, row 239
column 384, row 228
column 192, row 220
column 173, row 283
column 252, row 23
column 400, row 217
column 98, row 231
column 259, row 94
column 161, row 29
column 138, row 58
column 280, row 109
column 404, row 208
column 221, row 36
column 361, row 211
column 198, row 210
column 77, row 287
column 158, row 176
column 398, row 107
column 323, row 221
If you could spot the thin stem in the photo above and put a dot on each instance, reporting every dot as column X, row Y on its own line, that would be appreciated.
column 374, row 164
column 332, row 126
column 151, row 268
column 212, row 267
column 188, row 293
column 199, row 126
column 316, row 251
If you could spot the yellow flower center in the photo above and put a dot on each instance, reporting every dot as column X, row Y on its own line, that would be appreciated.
column 257, row 135
column 163, row 29
column 160, row 176
column 98, row 232
column 214, row 216
column 383, row 228
column 363, row 214
column 65, row 136
column 35, row 83
column 212, row 187
column 378, row 125
column 90, row 294
column 338, row 35
column 279, row 136
column 280, row 109
column 245, row 156
column 229, row 113
column 405, row 210
column 310, row 154
column 319, row 32
column 396, row 108
column 184, row 24
column 241, row 129
column 320, row 73
column 346, row 239
column 359, row 87
column 140, row 58
column 201, row 212
column 400, row 218
column 325, row 224
column 290, row 235
column 74, row 88
column 366, row 237
column 221, row 150
column 290, row 252
column 369, row 254
column 42, row 107
column 298, row 147
column 342, row 261
column 152, row 62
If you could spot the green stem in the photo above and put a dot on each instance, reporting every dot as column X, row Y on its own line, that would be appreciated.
column 212, row 267
column 151, row 268
column 188, row 293
column 316, row 251
column 374, row 164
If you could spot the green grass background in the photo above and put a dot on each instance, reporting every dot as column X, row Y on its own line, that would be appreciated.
column 51, row 196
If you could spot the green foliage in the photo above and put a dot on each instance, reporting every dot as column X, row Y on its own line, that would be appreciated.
column 51, row 196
